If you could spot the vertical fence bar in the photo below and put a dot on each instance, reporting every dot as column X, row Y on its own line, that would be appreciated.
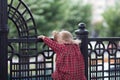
column 82, row 34
column 3, row 40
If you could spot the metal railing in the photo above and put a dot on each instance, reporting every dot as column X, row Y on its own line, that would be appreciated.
column 27, row 58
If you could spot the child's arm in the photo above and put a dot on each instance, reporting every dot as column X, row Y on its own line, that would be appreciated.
column 52, row 44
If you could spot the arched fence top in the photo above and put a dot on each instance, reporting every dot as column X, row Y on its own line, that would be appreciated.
column 21, row 16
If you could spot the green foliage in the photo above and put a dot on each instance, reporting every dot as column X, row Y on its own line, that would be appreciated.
column 47, row 14
column 99, row 29
column 77, row 13
column 112, row 19
column 12, row 30
column 52, row 15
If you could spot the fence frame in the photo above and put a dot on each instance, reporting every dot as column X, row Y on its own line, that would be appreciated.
column 24, row 40
column 3, row 40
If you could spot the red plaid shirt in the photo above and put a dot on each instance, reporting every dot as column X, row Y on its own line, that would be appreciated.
column 69, row 61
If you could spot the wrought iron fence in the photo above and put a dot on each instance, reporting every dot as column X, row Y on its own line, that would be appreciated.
column 30, row 65
column 30, row 59
column 104, row 58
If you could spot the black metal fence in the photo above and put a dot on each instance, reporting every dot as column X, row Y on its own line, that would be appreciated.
column 104, row 58
column 26, row 58
column 3, row 39
column 29, row 65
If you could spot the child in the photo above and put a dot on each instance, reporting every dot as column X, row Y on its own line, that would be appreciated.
column 69, row 59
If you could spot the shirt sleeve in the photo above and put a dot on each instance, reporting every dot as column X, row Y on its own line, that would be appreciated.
column 55, row 46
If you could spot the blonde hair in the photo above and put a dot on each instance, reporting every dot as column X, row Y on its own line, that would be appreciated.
column 66, row 36
column 55, row 34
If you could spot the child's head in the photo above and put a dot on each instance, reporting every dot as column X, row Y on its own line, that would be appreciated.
column 64, row 37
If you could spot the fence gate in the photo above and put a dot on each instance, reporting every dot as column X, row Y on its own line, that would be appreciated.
column 27, row 60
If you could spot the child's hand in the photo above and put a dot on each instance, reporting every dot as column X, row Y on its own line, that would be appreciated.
column 41, row 37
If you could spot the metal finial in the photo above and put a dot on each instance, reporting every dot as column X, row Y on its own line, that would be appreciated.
column 82, row 25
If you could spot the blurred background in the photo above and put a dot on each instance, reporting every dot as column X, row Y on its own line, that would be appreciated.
column 101, row 17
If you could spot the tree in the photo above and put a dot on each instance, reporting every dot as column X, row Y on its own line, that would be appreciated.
column 112, row 19
column 48, row 14
column 77, row 13
column 52, row 15
column 59, row 14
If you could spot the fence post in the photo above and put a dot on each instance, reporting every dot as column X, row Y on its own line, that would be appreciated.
column 82, row 34
column 3, row 40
